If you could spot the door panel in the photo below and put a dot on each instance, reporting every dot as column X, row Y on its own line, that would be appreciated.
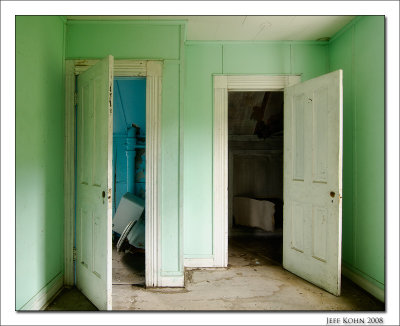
column 93, row 201
column 313, row 180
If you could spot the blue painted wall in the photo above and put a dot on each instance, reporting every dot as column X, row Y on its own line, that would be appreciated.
column 129, row 107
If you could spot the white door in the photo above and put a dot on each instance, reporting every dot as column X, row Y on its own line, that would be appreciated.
column 312, row 222
column 93, row 184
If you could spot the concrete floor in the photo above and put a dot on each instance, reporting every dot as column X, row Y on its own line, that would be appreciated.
column 253, row 280
column 71, row 300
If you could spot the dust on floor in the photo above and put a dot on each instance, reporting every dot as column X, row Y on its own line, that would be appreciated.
column 251, row 282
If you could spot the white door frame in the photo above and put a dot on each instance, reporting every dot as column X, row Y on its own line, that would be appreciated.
column 222, row 85
column 152, row 70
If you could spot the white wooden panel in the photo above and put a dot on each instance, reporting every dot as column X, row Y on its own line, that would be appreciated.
column 153, row 71
column 83, row 131
column 122, row 68
column 84, row 234
column 320, row 229
column 220, row 172
column 94, row 156
column 298, row 137
column 312, row 208
column 297, row 226
column 99, row 252
column 99, row 139
column 153, row 174
column 320, row 135
column 260, row 82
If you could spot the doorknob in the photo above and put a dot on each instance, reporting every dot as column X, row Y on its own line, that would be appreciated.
column 332, row 193
column 103, row 194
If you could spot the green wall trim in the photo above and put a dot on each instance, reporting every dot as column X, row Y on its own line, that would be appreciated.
column 171, row 273
column 199, row 42
column 154, row 22
column 123, row 58
column 255, row 74
column 41, row 299
column 365, row 276
column 371, row 287
column 63, row 19
column 198, row 256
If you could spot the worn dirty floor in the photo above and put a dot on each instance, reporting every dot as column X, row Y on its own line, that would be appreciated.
column 254, row 280
column 71, row 300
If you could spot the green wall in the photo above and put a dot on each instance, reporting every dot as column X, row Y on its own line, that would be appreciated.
column 39, row 117
column 147, row 40
column 202, row 60
column 359, row 51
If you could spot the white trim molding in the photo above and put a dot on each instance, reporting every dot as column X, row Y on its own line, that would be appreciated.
column 223, row 84
column 153, row 174
column 122, row 68
column 220, row 171
column 152, row 70
column 44, row 297
column 260, row 82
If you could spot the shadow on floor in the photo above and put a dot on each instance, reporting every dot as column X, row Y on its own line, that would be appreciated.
column 258, row 242
column 71, row 300
column 128, row 268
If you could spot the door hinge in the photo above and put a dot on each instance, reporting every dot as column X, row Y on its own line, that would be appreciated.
column 75, row 99
column 110, row 99
column 74, row 254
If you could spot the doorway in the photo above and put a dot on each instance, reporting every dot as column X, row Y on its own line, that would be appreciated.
column 129, row 176
column 255, row 172
column 75, row 69
column 312, row 223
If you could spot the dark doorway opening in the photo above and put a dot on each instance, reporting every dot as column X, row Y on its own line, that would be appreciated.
column 255, row 129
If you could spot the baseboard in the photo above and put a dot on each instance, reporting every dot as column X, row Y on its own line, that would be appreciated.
column 42, row 299
column 172, row 281
column 364, row 283
column 198, row 262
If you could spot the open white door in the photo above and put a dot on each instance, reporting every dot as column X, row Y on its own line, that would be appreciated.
column 93, row 184
column 312, row 222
